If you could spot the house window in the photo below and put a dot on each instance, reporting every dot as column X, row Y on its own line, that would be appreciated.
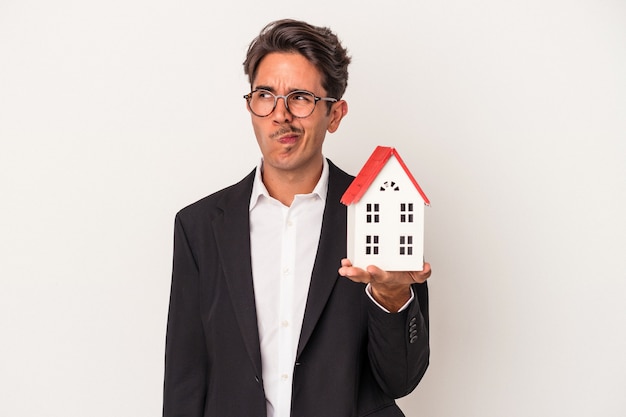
column 406, row 245
column 406, row 213
column 389, row 185
column 371, row 245
column 372, row 215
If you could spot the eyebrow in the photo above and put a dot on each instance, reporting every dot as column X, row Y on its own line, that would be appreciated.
column 273, row 90
column 264, row 87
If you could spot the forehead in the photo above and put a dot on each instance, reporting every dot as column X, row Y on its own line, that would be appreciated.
column 284, row 72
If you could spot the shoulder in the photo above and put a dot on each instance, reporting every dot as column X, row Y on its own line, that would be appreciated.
column 337, row 174
column 338, row 181
column 213, row 204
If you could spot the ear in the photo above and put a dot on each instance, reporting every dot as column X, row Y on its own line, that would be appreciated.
column 245, row 104
column 337, row 112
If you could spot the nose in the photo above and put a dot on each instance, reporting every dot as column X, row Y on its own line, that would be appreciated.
column 281, row 114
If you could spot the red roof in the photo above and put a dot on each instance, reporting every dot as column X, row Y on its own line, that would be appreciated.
column 370, row 170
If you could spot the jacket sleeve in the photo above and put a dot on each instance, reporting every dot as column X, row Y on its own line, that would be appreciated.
column 398, row 344
column 185, row 353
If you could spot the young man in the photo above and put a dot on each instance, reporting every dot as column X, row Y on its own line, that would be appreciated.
column 266, row 318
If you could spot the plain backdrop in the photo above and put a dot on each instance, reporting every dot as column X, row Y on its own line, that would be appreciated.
column 511, row 115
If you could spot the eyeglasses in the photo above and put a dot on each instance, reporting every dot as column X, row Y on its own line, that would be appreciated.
column 299, row 103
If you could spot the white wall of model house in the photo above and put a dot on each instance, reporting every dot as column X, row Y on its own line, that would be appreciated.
column 386, row 226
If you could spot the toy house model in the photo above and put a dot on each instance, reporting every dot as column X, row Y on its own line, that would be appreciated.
column 386, row 215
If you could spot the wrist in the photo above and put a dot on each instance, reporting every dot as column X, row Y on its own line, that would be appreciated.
column 393, row 299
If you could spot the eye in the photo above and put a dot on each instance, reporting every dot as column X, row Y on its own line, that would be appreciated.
column 302, row 97
column 264, row 94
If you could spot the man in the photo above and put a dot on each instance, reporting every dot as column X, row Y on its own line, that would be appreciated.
column 266, row 318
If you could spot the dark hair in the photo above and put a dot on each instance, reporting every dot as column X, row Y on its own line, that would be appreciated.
column 317, row 44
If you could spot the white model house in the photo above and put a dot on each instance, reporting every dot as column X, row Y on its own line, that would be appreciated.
column 386, row 215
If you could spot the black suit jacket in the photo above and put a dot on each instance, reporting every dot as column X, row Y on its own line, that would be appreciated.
column 352, row 360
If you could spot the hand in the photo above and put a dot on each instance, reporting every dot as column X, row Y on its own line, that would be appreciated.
column 391, row 289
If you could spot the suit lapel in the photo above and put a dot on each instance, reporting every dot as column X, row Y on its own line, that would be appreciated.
column 232, row 234
column 331, row 249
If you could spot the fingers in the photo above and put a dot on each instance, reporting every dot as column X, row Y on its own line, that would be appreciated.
column 373, row 274
column 421, row 276
column 353, row 273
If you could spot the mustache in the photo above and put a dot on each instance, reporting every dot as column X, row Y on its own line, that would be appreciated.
column 285, row 129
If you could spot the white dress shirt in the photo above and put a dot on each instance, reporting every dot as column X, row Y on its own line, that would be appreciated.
column 283, row 247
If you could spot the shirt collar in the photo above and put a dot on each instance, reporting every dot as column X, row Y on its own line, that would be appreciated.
column 259, row 190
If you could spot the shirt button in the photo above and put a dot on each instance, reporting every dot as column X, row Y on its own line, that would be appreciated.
column 285, row 271
column 289, row 223
column 284, row 323
column 284, row 377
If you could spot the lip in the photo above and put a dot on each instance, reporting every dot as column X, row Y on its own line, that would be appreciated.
column 288, row 139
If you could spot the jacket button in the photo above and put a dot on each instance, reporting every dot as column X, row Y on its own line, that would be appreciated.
column 413, row 339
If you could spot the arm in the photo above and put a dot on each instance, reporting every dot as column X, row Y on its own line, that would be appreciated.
column 185, row 355
column 398, row 345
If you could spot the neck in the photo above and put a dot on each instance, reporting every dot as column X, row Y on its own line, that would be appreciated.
column 284, row 185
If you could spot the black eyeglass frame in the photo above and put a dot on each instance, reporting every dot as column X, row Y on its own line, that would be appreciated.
column 248, row 97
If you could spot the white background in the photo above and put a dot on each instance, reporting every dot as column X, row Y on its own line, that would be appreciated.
column 511, row 115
